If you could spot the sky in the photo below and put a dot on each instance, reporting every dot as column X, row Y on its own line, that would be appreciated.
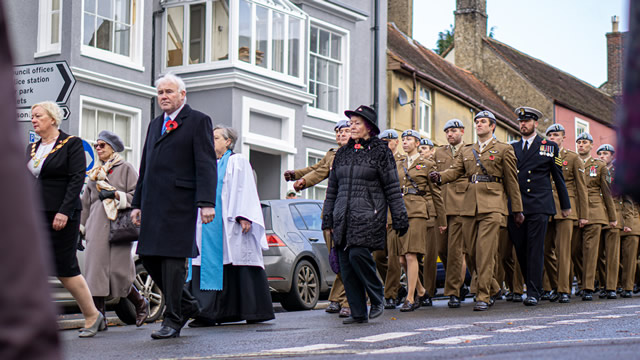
column 568, row 34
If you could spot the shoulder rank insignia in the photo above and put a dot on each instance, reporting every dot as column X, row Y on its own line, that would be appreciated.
column 558, row 161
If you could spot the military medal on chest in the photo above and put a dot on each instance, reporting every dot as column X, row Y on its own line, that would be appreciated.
column 593, row 170
column 546, row 150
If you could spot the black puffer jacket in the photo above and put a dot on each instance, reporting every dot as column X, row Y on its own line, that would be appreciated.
column 363, row 183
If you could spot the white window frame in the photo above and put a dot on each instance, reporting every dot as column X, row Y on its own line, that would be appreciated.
column 45, row 47
column 344, row 76
column 581, row 123
column 136, row 121
column 134, row 60
column 425, row 103
column 511, row 136
column 207, row 64
column 285, row 146
column 319, row 154
column 233, row 60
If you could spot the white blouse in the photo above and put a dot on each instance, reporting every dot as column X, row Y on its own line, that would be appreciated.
column 42, row 151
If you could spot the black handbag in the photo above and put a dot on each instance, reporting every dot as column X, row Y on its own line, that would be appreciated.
column 122, row 228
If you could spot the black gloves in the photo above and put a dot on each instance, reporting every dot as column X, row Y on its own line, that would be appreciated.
column 106, row 194
column 434, row 176
column 401, row 231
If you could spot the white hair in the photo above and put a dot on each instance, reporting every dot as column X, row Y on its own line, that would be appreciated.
column 170, row 77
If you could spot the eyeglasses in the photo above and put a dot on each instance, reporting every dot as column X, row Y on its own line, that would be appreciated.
column 99, row 145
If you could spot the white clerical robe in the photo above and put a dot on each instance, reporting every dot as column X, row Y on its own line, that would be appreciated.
column 239, row 199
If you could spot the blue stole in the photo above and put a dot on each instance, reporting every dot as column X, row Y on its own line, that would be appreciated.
column 211, row 257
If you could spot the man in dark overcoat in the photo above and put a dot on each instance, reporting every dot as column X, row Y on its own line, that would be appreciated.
column 177, row 176
column 538, row 162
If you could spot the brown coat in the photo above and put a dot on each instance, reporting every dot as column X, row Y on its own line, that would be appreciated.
column 321, row 168
column 487, row 197
column 417, row 205
column 572, row 169
column 601, row 206
column 453, row 193
column 109, row 269
column 630, row 217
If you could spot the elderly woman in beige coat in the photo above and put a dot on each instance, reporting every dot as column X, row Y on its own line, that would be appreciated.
column 109, row 268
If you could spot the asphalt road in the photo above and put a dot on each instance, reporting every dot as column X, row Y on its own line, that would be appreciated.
column 601, row 329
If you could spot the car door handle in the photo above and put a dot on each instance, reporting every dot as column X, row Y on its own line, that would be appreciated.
column 313, row 239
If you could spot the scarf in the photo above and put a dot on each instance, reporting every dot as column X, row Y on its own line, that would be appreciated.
column 211, row 253
column 99, row 175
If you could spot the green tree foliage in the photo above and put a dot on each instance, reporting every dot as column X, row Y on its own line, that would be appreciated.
column 445, row 40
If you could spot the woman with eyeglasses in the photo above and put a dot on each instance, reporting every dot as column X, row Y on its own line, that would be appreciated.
column 109, row 267
column 58, row 163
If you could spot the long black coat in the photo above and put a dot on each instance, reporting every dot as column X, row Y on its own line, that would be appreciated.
column 177, row 175
column 362, row 185
column 534, row 168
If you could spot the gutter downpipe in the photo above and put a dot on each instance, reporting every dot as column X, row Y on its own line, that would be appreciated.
column 153, row 56
column 376, row 55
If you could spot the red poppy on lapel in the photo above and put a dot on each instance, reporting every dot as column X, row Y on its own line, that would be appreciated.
column 171, row 125
column 418, row 167
column 565, row 163
column 544, row 141
column 110, row 171
column 357, row 146
column 491, row 157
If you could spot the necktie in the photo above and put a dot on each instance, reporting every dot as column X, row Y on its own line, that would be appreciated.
column 526, row 146
column 164, row 125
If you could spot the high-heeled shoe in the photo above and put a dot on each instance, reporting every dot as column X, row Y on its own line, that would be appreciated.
column 93, row 329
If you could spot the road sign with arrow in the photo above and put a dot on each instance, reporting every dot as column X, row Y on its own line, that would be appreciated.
column 51, row 81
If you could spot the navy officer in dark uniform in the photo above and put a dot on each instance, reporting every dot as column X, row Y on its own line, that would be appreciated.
column 537, row 160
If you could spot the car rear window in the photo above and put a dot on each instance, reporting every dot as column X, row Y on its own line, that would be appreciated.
column 266, row 213
column 306, row 216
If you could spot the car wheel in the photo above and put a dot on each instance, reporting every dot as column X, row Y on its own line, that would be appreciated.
column 305, row 288
column 148, row 288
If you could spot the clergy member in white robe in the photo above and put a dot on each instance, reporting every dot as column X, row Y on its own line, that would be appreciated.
column 228, row 278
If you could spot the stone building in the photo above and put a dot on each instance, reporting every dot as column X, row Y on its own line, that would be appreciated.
column 436, row 91
column 520, row 79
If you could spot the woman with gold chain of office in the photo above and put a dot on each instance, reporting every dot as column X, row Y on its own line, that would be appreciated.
column 413, row 173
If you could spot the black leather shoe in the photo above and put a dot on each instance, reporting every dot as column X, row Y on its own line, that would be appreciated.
column 390, row 303
column 580, row 293
column 545, row 295
column 454, row 302
column 509, row 296
column 530, row 301
column 481, row 306
column 352, row 320
column 626, row 294
column 564, row 298
column 375, row 311
column 425, row 300
column 407, row 306
column 464, row 291
column 517, row 298
column 402, row 294
column 603, row 294
column 619, row 290
column 587, row 295
column 165, row 332
column 555, row 296
column 333, row 308
column 611, row 294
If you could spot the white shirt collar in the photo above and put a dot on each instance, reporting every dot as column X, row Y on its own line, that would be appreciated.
column 529, row 140
column 175, row 113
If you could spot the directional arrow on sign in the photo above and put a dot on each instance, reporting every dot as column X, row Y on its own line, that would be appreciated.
column 65, row 112
column 51, row 81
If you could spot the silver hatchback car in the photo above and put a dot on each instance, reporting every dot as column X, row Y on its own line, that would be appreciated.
column 297, row 262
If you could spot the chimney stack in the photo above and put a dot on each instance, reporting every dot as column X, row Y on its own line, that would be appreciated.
column 470, row 29
column 615, row 49
column 400, row 12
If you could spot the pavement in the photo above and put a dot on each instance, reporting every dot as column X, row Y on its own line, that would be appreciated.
column 585, row 330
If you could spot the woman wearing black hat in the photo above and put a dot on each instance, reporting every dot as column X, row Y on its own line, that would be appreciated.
column 362, row 185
